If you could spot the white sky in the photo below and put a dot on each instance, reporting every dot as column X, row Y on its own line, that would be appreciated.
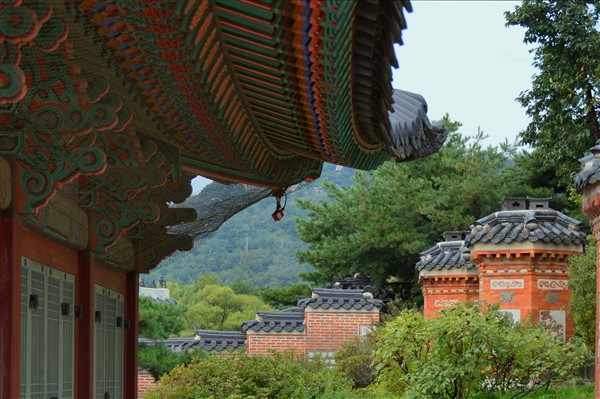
column 465, row 62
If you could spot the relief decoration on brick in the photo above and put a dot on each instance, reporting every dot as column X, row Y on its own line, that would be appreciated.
column 507, row 284
column 445, row 303
column 554, row 321
column 548, row 284
column 513, row 314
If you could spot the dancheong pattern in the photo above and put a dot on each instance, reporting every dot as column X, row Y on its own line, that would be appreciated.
column 124, row 101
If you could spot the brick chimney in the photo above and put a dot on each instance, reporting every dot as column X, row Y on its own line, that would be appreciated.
column 521, row 254
column 446, row 274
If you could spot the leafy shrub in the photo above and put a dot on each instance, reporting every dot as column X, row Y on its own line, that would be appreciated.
column 469, row 350
column 267, row 377
column 355, row 358
column 158, row 359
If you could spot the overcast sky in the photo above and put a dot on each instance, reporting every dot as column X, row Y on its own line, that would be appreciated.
column 465, row 62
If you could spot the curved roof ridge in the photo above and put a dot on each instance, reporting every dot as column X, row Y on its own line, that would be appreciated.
column 445, row 255
column 546, row 225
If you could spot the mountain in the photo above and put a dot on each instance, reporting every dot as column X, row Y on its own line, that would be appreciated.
column 251, row 247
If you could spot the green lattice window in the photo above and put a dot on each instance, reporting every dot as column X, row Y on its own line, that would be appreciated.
column 47, row 331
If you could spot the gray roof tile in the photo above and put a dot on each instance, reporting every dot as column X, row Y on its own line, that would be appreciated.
column 412, row 135
column 283, row 321
column 445, row 255
column 335, row 298
column 177, row 345
column 540, row 225
column 218, row 341
column 590, row 175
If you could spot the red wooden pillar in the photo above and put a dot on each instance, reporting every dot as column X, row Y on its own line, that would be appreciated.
column 84, row 329
column 131, row 337
column 10, row 312
column 589, row 186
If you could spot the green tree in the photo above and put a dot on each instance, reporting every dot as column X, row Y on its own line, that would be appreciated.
column 160, row 320
column 285, row 297
column 582, row 275
column 158, row 359
column 379, row 225
column 216, row 307
column 467, row 351
column 564, row 99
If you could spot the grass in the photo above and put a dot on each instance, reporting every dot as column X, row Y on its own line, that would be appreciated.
column 568, row 392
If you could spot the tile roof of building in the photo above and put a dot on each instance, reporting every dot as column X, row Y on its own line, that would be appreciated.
column 412, row 135
column 544, row 225
column 177, row 345
column 287, row 320
column 591, row 169
column 218, row 341
column 445, row 255
column 334, row 298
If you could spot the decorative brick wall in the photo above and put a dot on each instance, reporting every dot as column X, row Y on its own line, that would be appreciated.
column 318, row 325
column 440, row 292
column 145, row 382
column 328, row 330
column 528, row 284
column 265, row 343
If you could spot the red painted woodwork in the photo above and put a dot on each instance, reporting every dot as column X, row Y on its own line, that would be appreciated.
column 10, row 326
column 131, row 337
column 84, row 329
column 46, row 251
column 109, row 278
column 591, row 207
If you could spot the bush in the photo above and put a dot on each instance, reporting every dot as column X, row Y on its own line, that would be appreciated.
column 355, row 358
column 267, row 377
column 158, row 359
column 467, row 351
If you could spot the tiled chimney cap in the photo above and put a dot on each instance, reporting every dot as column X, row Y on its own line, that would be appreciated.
column 458, row 235
column 445, row 255
column 524, row 203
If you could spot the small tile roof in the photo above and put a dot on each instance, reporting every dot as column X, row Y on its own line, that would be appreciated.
column 591, row 172
column 335, row 298
column 545, row 225
column 358, row 281
column 219, row 341
column 177, row 345
column 287, row 320
column 445, row 255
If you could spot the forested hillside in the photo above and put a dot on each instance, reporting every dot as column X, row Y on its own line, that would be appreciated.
column 251, row 247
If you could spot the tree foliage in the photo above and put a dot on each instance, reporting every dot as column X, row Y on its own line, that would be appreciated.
column 564, row 99
column 213, row 306
column 160, row 320
column 285, row 297
column 582, row 275
column 467, row 351
column 280, row 376
column 379, row 225
column 159, row 360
